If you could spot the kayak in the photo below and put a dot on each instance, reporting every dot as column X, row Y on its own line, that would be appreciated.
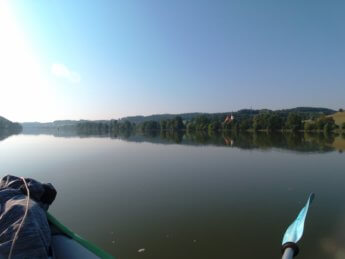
column 67, row 244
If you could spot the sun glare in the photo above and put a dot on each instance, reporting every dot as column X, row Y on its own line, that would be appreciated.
column 23, row 88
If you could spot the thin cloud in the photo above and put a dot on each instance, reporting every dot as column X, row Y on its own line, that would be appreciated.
column 60, row 70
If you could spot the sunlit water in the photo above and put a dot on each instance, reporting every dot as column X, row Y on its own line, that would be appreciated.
column 186, row 200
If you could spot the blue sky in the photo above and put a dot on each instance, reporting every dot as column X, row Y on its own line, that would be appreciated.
column 109, row 59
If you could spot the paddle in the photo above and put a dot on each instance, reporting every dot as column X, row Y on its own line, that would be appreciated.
column 295, row 231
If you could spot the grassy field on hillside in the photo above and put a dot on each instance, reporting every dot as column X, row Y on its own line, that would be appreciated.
column 339, row 117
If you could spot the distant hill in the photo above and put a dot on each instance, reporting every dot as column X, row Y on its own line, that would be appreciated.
column 8, row 128
column 54, row 124
column 339, row 117
column 159, row 117
column 6, row 124
column 240, row 113
column 185, row 116
column 49, row 124
column 325, row 111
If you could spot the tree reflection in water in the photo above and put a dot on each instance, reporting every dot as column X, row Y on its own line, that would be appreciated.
column 299, row 142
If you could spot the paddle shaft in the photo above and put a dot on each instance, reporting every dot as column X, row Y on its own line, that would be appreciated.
column 288, row 253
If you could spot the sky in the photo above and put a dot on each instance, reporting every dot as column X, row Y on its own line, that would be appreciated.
column 110, row 59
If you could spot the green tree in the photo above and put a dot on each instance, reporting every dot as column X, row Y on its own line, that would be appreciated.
column 214, row 126
column 260, row 121
column 201, row 123
column 126, row 126
column 114, row 126
column 149, row 126
column 163, row 125
column 274, row 122
column 178, row 123
column 328, row 127
column 246, row 124
column 323, row 120
column 191, row 127
column 309, row 126
column 293, row 121
column 267, row 121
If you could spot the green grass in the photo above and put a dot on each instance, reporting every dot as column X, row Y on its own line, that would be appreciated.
column 339, row 117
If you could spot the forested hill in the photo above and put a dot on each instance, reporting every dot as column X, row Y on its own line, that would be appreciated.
column 240, row 113
column 56, row 124
column 159, row 117
column 244, row 113
column 7, row 125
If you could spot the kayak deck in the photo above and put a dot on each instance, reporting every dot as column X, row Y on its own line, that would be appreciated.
column 66, row 244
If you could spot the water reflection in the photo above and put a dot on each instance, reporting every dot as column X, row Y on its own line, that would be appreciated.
column 186, row 187
column 298, row 142
column 7, row 133
column 334, row 245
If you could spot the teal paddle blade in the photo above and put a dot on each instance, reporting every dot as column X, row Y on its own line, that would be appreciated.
column 295, row 230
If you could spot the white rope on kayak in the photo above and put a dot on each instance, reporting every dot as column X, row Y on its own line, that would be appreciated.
column 25, row 214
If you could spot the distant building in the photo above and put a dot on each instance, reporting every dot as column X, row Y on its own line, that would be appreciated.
column 229, row 118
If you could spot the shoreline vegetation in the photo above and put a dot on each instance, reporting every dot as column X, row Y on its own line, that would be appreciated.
column 300, row 129
column 242, row 121
column 8, row 128
column 300, row 119
column 293, row 131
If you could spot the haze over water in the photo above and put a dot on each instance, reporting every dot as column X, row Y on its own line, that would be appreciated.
column 210, row 197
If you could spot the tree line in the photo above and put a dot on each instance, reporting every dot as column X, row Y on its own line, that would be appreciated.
column 9, row 126
column 268, row 121
column 104, row 127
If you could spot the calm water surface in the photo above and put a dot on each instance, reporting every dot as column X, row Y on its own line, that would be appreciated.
column 210, row 198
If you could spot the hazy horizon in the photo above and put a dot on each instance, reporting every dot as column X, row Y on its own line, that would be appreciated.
column 254, row 108
column 102, row 60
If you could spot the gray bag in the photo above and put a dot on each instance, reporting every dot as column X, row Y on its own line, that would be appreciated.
column 34, row 237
